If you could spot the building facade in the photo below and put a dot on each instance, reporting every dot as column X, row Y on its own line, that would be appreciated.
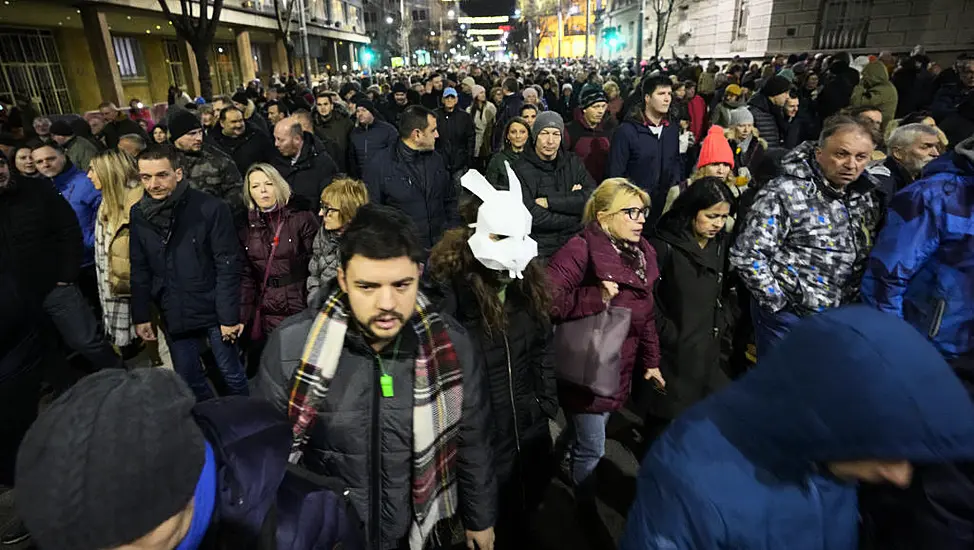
column 757, row 28
column 68, row 57
column 577, row 37
column 431, row 27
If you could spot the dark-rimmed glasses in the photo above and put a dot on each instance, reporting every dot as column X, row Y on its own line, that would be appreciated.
column 635, row 211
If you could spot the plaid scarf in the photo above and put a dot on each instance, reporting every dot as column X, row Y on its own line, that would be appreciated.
column 437, row 406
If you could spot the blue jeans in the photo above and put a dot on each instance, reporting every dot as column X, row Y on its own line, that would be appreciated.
column 770, row 328
column 587, row 446
column 185, row 352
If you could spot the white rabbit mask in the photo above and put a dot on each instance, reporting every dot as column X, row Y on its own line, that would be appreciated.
column 502, row 239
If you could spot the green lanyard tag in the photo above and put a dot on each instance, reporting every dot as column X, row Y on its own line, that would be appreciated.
column 385, row 382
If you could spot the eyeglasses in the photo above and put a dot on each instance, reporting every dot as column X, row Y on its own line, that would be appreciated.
column 635, row 211
column 326, row 209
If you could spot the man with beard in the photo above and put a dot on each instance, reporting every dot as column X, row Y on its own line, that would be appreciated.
column 330, row 125
column 239, row 140
column 384, row 392
column 397, row 103
column 911, row 147
column 204, row 166
column 767, row 107
column 276, row 112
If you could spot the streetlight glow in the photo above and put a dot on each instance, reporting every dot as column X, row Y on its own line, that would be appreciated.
column 451, row 14
column 389, row 20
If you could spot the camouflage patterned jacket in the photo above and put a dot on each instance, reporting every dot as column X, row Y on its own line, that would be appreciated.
column 214, row 172
column 804, row 243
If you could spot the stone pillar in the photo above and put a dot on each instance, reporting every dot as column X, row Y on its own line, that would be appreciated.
column 99, row 41
column 248, row 67
column 352, row 60
column 190, row 70
column 279, row 55
column 338, row 62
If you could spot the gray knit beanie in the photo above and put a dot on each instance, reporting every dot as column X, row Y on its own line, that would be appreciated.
column 548, row 119
column 110, row 460
column 741, row 115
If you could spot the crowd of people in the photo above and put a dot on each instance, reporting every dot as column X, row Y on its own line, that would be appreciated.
column 367, row 300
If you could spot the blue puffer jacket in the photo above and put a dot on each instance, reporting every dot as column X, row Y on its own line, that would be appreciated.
column 74, row 185
column 193, row 273
column 746, row 468
column 652, row 163
column 922, row 266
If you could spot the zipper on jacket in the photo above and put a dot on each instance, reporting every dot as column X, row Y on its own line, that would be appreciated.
column 517, row 435
column 376, row 482
column 938, row 318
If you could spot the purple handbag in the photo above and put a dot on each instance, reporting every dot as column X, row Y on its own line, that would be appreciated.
column 588, row 351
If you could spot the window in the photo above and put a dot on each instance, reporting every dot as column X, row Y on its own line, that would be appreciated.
column 29, row 66
column 128, row 54
column 741, row 17
column 336, row 11
column 844, row 24
column 174, row 59
column 419, row 15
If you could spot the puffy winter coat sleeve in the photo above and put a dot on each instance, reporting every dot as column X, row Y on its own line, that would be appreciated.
column 573, row 203
column 316, row 267
column 225, row 247
column 649, row 351
column 477, row 486
column 910, row 238
column 619, row 151
column 669, row 516
column 764, row 231
column 141, row 274
column 67, row 235
column 547, row 394
column 248, row 279
column 566, row 273
column 542, row 219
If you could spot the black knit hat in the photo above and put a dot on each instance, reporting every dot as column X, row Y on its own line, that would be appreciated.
column 399, row 88
column 61, row 127
column 590, row 95
column 183, row 122
column 776, row 85
column 110, row 460
column 240, row 97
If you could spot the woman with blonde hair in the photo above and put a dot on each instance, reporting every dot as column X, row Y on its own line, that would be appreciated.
column 614, row 95
column 339, row 203
column 277, row 245
column 608, row 264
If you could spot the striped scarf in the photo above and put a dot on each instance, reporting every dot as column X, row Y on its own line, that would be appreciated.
column 437, row 406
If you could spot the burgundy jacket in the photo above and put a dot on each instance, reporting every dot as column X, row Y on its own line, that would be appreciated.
column 575, row 273
column 285, row 293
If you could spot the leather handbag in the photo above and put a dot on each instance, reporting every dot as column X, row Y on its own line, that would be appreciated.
column 588, row 351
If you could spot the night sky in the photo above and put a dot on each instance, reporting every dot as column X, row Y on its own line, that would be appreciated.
column 481, row 8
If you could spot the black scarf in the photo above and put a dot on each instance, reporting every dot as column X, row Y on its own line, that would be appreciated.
column 159, row 213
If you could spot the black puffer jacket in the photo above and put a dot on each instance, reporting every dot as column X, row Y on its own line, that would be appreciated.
column 355, row 427
column 417, row 183
column 309, row 176
column 768, row 119
column 690, row 317
column 253, row 146
column 457, row 138
column 552, row 180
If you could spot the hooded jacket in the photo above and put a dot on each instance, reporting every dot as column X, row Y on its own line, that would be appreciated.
column 575, row 273
column 804, row 243
column 251, row 147
column 690, row 316
column 591, row 144
column 876, row 90
column 746, row 468
column 553, row 181
column 366, row 441
column 308, row 174
column 651, row 162
column 839, row 82
column 77, row 189
column 922, row 267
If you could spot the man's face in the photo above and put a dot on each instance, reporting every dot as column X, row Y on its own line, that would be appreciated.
column 844, row 156
column 594, row 113
column 791, row 107
column 272, row 95
column 364, row 116
column 324, row 106
column 965, row 70
column 207, row 118
column 4, row 175
column 659, row 100
column 465, row 88
column 233, row 124
column 872, row 118
column 158, row 177
column 191, row 141
column 129, row 146
column 779, row 99
column 897, row 472
column 426, row 139
column 274, row 114
column 548, row 143
column 286, row 143
column 381, row 293
column 48, row 161
column 107, row 113
column 218, row 106
column 450, row 102
column 438, row 83
column 97, row 124
column 923, row 149
column 400, row 98
column 60, row 140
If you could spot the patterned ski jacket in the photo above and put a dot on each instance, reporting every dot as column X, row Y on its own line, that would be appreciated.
column 922, row 267
column 804, row 243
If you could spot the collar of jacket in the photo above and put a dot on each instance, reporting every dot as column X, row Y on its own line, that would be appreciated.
column 607, row 263
column 308, row 150
column 409, row 155
column 637, row 116
column 531, row 155
column 710, row 257
column 900, row 172
column 800, row 164
column 67, row 173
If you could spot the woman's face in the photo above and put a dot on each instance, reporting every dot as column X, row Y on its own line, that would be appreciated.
column 717, row 170
column 710, row 222
column 498, row 96
column 94, row 179
column 611, row 92
column 529, row 115
column 332, row 217
column 744, row 131
column 24, row 163
column 517, row 134
column 159, row 135
column 621, row 224
column 482, row 96
column 680, row 92
column 262, row 190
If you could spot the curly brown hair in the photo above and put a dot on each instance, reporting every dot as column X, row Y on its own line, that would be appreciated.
column 451, row 260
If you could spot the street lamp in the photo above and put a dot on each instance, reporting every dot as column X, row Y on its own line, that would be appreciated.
column 432, row 33
column 451, row 14
column 389, row 20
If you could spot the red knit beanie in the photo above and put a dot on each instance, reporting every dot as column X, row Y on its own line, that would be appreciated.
column 715, row 149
